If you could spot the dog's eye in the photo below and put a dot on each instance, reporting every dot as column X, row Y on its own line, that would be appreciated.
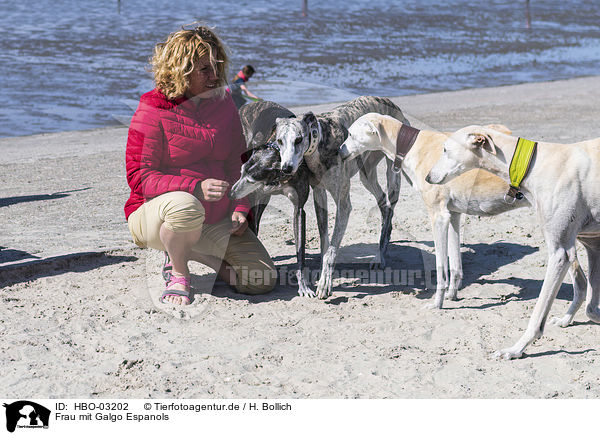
column 298, row 140
column 279, row 141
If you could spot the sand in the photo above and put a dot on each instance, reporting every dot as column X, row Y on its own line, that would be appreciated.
column 81, row 318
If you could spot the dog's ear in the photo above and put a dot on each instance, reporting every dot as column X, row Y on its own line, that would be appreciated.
column 309, row 118
column 484, row 142
column 374, row 129
column 257, row 139
column 500, row 127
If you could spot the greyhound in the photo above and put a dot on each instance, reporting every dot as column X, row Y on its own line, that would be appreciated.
column 315, row 140
column 476, row 192
column 563, row 181
column 261, row 177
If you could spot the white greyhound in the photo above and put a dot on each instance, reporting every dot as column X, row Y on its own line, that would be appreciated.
column 563, row 183
column 476, row 192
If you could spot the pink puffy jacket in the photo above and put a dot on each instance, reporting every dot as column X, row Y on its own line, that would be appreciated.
column 174, row 144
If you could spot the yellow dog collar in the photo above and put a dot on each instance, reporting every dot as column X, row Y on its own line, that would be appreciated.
column 519, row 166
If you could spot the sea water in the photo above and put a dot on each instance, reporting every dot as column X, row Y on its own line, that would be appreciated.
column 67, row 64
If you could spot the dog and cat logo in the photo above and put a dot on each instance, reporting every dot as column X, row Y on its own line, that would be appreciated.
column 26, row 415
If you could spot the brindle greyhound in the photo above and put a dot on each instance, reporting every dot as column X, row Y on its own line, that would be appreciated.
column 315, row 141
column 261, row 177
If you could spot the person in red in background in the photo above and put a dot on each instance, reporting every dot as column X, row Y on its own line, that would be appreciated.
column 183, row 153
column 237, row 86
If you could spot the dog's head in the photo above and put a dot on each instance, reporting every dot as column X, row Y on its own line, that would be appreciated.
column 261, row 171
column 364, row 135
column 468, row 148
column 293, row 137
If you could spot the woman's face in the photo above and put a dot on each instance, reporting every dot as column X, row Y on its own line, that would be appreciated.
column 202, row 78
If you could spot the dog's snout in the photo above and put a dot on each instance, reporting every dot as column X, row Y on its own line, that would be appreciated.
column 434, row 178
column 344, row 153
column 233, row 194
column 287, row 169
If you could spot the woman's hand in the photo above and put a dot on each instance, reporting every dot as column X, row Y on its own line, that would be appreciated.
column 238, row 223
column 211, row 189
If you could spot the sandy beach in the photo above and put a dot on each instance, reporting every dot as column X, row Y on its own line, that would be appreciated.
column 81, row 317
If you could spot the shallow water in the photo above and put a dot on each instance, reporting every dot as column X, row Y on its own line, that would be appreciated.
column 69, row 64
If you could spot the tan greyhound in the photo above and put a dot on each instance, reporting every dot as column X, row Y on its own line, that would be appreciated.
column 476, row 192
column 563, row 183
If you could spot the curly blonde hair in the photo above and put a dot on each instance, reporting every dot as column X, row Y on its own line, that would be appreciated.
column 174, row 59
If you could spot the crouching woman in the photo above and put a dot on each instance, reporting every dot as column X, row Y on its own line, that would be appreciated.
column 183, row 152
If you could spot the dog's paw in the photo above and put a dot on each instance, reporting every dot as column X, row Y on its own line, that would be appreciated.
column 452, row 294
column 323, row 293
column 306, row 292
column 432, row 306
column 593, row 313
column 563, row 322
column 508, row 354
column 324, row 287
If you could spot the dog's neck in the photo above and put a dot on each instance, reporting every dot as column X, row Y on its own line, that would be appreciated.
column 391, row 127
column 499, row 163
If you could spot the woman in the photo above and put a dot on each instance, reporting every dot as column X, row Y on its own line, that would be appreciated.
column 183, row 152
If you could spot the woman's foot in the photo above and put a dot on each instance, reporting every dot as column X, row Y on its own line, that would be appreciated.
column 177, row 291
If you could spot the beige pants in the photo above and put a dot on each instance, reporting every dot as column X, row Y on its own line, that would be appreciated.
column 182, row 212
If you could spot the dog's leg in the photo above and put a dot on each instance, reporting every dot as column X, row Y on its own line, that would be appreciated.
column 456, row 270
column 344, row 207
column 300, row 236
column 439, row 222
column 320, row 201
column 302, row 189
column 593, row 290
column 558, row 264
column 393, row 180
column 579, row 288
column 368, row 177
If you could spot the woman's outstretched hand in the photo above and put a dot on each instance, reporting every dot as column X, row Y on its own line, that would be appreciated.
column 239, row 223
column 211, row 189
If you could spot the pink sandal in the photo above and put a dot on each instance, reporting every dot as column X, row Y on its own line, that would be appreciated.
column 177, row 280
column 167, row 268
